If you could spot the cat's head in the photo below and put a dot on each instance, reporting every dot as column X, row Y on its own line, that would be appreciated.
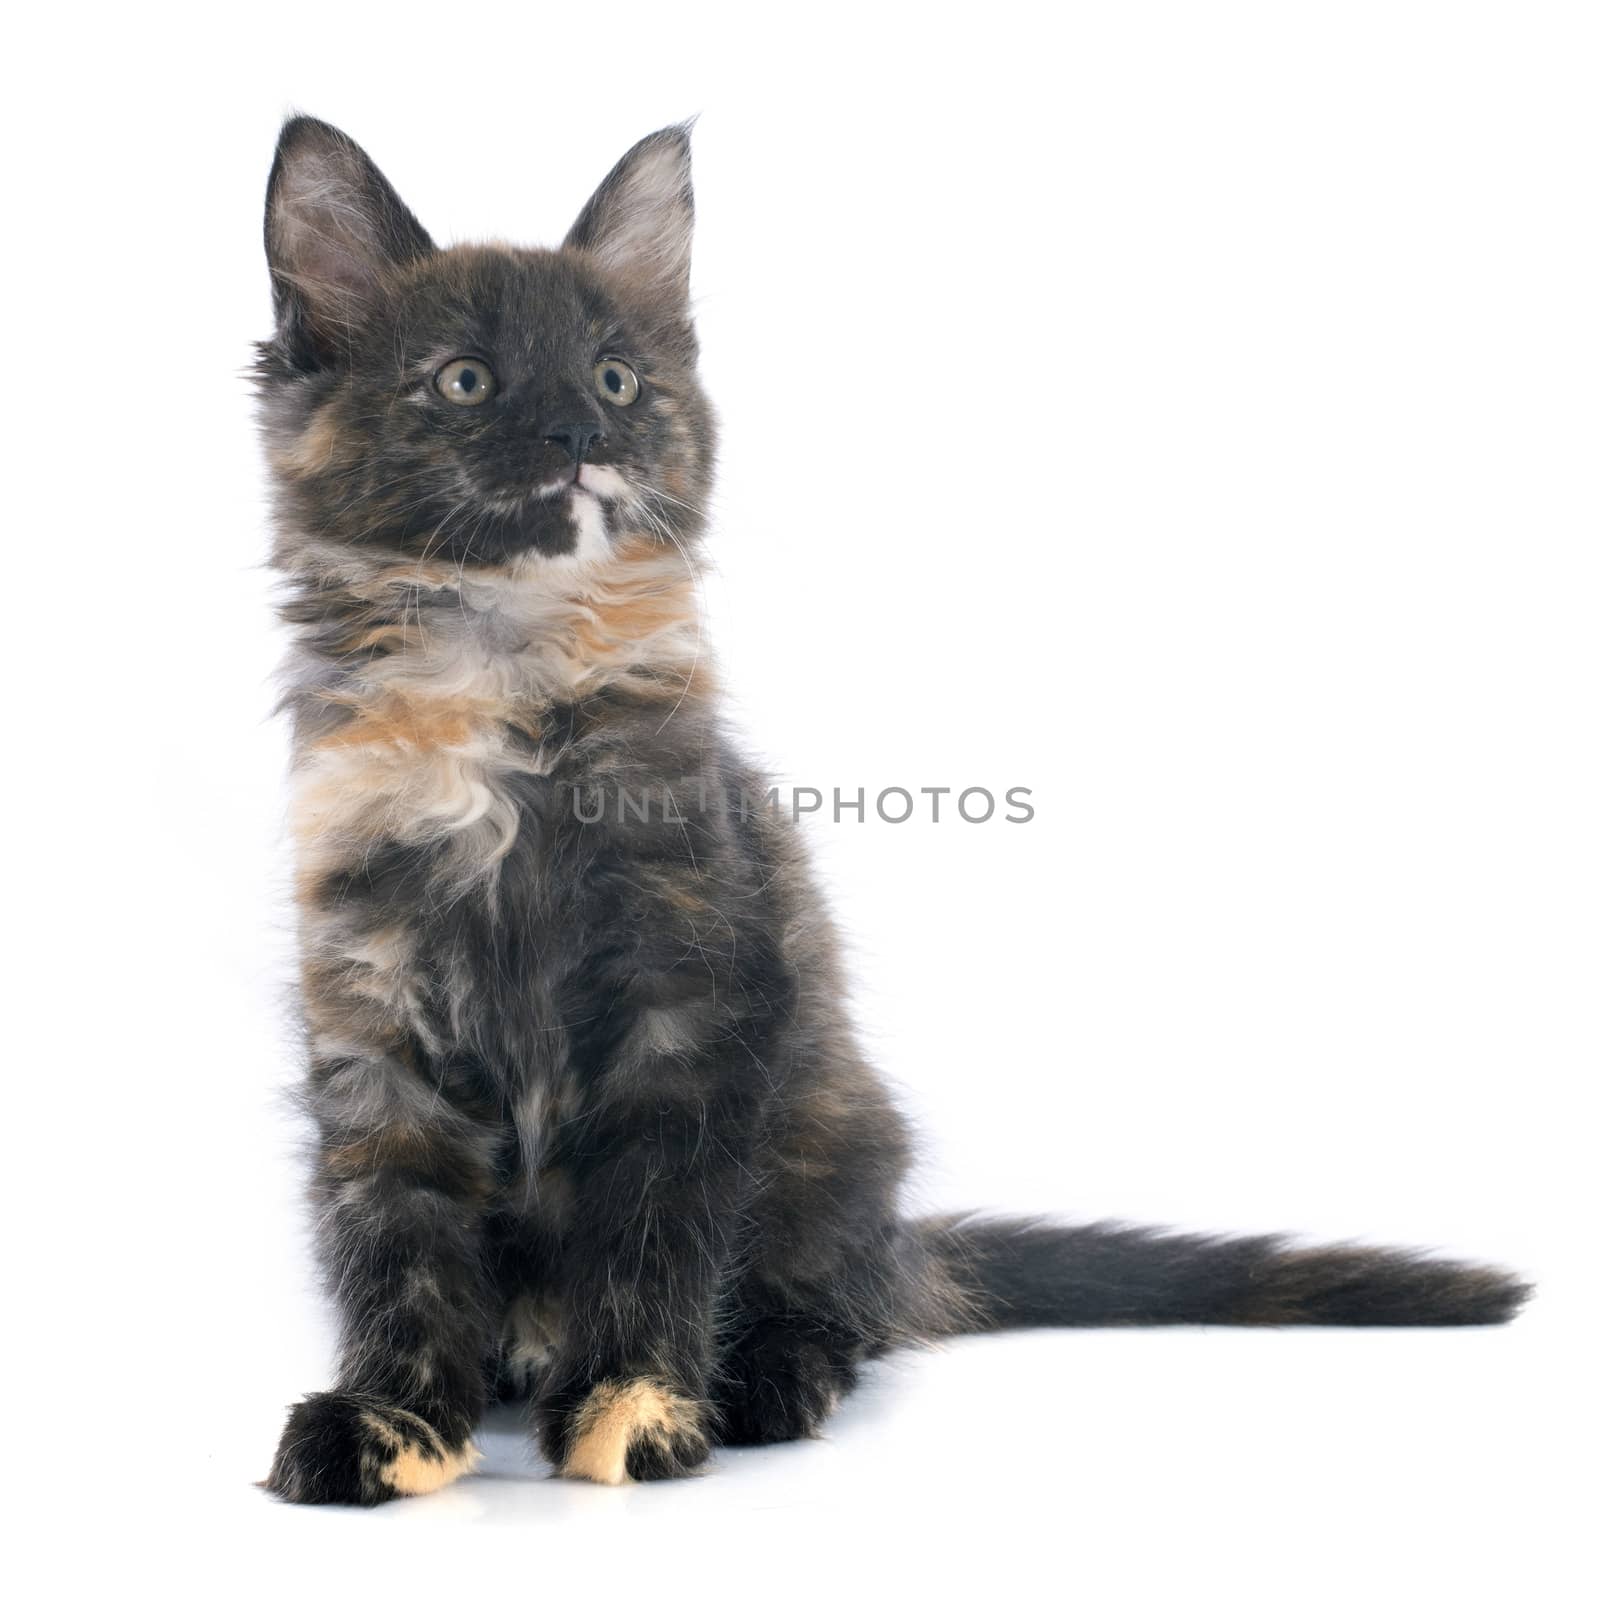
column 481, row 405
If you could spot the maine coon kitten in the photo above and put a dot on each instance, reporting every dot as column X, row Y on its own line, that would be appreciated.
column 592, row 1124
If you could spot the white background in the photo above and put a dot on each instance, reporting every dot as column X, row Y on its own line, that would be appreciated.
column 1187, row 412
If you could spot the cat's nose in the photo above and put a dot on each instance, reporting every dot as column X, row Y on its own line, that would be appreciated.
column 576, row 438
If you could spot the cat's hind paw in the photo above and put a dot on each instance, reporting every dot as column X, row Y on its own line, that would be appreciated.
column 349, row 1449
column 778, row 1385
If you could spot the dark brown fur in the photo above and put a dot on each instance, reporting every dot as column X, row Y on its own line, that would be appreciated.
column 593, row 1123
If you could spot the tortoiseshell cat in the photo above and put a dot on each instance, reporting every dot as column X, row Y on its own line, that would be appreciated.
column 593, row 1126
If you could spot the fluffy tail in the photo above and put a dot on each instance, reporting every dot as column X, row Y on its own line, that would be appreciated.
column 1003, row 1273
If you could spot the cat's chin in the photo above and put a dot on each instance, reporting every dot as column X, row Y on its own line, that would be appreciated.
column 566, row 526
column 579, row 507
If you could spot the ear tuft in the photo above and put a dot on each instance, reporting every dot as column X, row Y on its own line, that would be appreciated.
column 640, row 221
column 334, row 226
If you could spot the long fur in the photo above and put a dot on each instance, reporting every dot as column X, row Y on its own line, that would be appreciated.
column 592, row 1124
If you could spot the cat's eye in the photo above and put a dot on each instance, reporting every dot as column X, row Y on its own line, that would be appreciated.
column 616, row 381
column 465, row 381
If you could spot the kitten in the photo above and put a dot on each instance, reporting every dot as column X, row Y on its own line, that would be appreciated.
column 593, row 1127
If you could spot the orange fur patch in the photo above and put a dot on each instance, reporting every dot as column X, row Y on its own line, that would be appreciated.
column 317, row 447
column 614, row 1416
column 413, row 1470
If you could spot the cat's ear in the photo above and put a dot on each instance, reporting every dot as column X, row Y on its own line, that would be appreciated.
column 639, row 222
column 334, row 227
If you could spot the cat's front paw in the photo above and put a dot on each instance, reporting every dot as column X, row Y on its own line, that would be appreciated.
column 626, row 1430
column 349, row 1449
